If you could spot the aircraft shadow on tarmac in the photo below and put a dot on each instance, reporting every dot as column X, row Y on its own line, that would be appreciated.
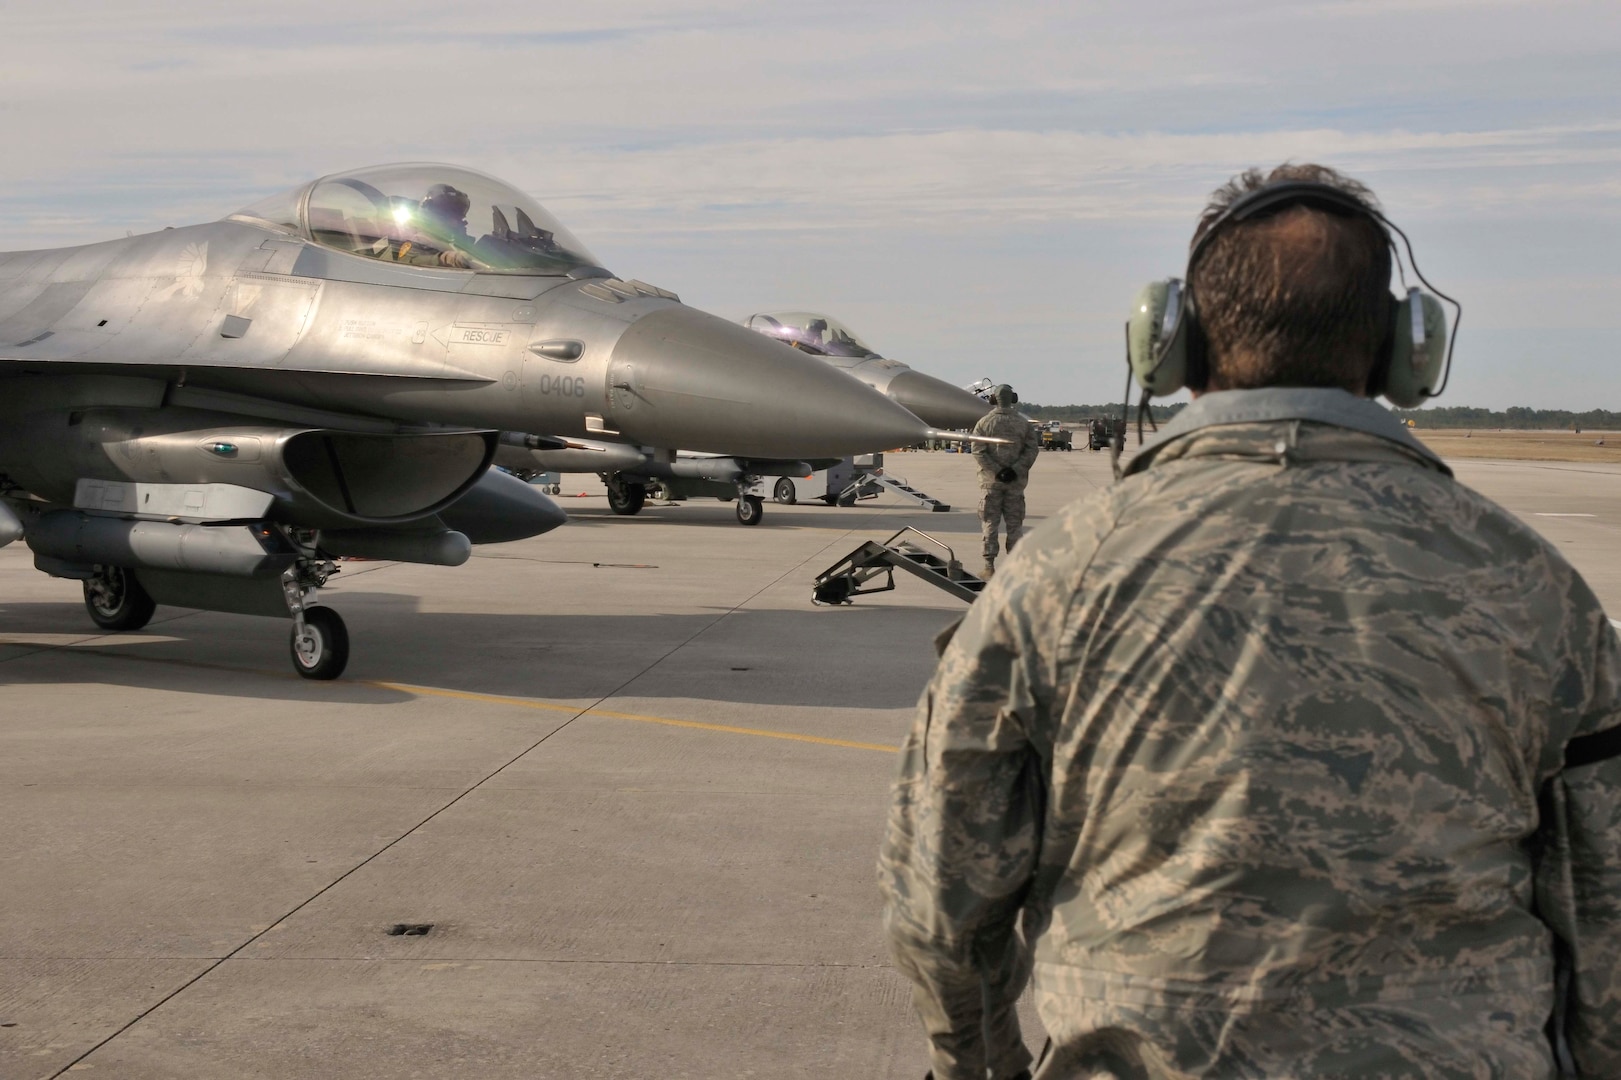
column 880, row 520
column 876, row 656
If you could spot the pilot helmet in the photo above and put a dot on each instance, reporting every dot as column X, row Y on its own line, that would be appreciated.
column 447, row 201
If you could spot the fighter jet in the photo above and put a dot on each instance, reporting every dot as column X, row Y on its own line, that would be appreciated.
column 932, row 400
column 211, row 416
column 628, row 470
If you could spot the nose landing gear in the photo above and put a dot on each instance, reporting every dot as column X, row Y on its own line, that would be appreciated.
column 320, row 640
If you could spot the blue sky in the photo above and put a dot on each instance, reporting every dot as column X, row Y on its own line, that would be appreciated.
column 979, row 189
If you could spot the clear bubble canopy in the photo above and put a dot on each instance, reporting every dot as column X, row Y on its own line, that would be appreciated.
column 812, row 332
column 426, row 215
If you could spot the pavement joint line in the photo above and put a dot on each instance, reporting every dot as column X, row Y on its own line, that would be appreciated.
column 642, row 718
column 335, row 882
column 213, row 965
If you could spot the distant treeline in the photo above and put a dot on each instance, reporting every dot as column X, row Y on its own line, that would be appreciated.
column 1453, row 416
column 1467, row 416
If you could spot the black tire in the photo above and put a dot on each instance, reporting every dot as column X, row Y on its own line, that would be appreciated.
column 750, row 509
column 785, row 493
column 835, row 591
column 323, row 652
column 847, row 499
column 116, row 601
column 627, row 499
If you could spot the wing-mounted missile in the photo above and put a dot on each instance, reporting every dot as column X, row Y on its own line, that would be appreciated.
column 529, row 455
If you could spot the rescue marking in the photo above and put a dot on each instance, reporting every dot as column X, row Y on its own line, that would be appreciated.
column 478, row 335
column 547, row 706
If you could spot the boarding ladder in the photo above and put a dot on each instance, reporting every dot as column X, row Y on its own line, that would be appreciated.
column 869, row 485
column 842, row 581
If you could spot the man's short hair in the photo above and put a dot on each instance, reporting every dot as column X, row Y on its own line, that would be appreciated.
column 1300, row 297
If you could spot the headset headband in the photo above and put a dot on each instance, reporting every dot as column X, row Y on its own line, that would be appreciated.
column 1280, row 196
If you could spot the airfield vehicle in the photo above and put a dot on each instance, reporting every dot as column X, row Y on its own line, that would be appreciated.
column 1054, row 436
column 1100, row 433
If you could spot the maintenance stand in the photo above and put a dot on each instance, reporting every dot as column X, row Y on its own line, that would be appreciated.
column 843, row 581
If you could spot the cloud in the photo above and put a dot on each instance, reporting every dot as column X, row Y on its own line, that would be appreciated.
column 981, row 185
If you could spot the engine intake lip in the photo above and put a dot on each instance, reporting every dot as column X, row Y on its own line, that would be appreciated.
column 384, row 479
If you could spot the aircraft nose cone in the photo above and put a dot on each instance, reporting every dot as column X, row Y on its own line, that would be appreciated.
column 935, row 401
column 685, row 379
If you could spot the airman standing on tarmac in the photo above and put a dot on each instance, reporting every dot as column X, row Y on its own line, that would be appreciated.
column 1288, row 755
column 1004, row 471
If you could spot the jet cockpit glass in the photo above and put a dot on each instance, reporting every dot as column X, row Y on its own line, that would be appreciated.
column 811, row 332
column 430, row 215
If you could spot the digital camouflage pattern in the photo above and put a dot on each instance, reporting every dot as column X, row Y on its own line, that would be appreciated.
column 1262, row 747
column 999, row 505
column 1003, row 501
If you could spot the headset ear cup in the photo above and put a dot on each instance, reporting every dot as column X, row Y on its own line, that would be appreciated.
column 1418, row 351
column 1156, row 339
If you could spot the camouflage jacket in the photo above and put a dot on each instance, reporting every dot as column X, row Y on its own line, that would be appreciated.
column 1266, row 746
column 1019, row 453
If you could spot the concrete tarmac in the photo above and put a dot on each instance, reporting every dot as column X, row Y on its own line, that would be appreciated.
column 631, row 776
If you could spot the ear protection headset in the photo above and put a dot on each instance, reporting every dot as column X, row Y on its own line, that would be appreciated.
column 1165, row 345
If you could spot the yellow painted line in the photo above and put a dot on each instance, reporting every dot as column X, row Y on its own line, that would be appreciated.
column 547, row 706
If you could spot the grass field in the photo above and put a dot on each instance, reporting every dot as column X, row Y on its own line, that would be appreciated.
column 1524, row 445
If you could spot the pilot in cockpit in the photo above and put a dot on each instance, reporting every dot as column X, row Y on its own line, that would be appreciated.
column 441, row 230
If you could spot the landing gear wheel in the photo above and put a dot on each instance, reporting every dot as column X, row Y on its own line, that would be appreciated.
column 834, row 591
column 627, row 499
column 322, row 650
column 785, row 493
column 116, row 601
column 750, row 509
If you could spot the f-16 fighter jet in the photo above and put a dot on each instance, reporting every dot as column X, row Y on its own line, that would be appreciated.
column 211, row 416
column 932, row 400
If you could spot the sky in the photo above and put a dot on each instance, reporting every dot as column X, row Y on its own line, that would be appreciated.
column 978, row 189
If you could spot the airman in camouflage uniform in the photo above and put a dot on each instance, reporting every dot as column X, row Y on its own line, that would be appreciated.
column 1288, row 755
column 1279, row 750
column 1004, row 472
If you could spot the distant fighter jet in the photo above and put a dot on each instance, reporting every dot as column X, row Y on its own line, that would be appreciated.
column 210, row 416
column 934, row 401
column 628, row 471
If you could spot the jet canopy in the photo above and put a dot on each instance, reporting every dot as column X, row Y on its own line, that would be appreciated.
column 812, row 332
column 426, row 215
